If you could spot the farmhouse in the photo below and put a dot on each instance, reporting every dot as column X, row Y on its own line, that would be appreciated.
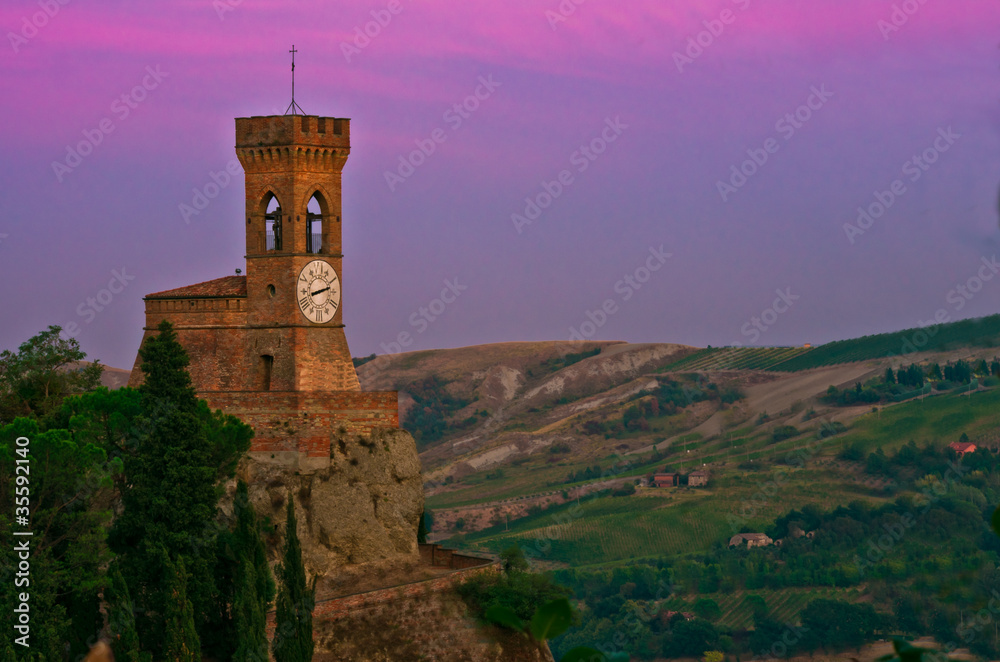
column 751, row 540
column 664, row 480
column 962, row 447
column 698, row 479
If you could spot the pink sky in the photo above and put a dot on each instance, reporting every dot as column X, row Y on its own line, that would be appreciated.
column 557, row 87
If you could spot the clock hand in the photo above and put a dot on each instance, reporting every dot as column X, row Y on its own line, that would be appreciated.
column 320, row 291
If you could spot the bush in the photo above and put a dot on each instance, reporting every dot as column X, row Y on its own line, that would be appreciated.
column 783, row 432
column 522, row 592
column 853, row 453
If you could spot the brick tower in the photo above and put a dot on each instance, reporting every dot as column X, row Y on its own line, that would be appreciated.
column 269, row 347
column 298, row 336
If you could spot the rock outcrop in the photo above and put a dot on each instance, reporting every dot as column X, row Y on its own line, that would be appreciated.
column 362, row 508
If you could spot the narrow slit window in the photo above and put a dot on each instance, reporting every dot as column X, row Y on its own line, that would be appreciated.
column 266, row 366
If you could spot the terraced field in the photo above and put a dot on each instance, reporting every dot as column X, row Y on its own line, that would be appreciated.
column 735, row 358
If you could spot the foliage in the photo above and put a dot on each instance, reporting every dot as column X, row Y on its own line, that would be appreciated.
column 516, row 590
column 981, row 332
column 62, row 486
column 358, row 362
column 512, row 560
column 121, row 620
column 44, row 370
column 427, row 418
column 293, row 641
column 174, row 453
column 181, row 641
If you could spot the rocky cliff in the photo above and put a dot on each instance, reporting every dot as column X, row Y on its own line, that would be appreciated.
column 363, row 508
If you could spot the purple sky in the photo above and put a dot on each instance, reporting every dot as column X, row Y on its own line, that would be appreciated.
column 561, row 78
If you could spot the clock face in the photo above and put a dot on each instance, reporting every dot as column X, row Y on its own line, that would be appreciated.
column 318, row 291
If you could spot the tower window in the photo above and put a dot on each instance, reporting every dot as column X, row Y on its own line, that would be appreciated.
column 314, row 226
column 272, row 225
column 266, row 364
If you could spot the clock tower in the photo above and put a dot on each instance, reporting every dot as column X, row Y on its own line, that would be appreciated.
column 293, row 166
column 269, row 347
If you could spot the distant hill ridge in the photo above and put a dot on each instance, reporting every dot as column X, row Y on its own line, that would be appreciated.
column 978, row 332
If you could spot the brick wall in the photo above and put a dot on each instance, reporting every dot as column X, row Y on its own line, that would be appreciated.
column 306, row 421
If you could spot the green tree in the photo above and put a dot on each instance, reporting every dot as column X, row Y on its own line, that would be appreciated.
column 66, row 506
column 250, row 619
column 513, row 560
column 44, row 370
column 889, row 377
column 757, row 604
column 250, row 547
column 121, row 619
column 422, row 528
column 293, row 641
column 707, row 609
column 175, row 452
column 691, row 638
column 245, row 581
column 181, row 643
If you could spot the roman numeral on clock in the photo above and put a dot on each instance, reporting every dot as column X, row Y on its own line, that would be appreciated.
column 305, row 302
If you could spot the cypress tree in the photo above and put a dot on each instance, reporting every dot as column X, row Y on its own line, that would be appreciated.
column 422, row 528
column 180, row 638
column 293, row 640
column 251, row 620
column 177, row 454
column 121, row 619
column 250, row 547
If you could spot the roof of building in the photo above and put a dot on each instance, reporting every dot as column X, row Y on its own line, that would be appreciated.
column 743, row 537
column 664, row 473
column 220, row 288
column 962, row 446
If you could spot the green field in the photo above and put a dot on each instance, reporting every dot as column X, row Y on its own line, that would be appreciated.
column 654, row 523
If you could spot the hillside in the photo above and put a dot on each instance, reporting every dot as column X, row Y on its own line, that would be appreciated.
column 549, row 446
